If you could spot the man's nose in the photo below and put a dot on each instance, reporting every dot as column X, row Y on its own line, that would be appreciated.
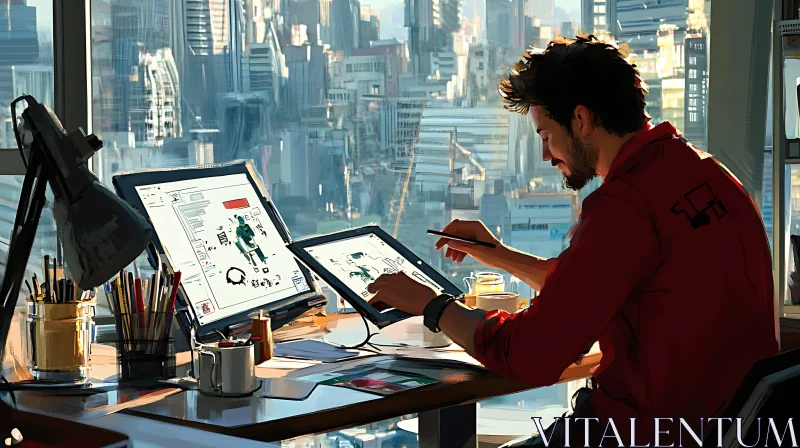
column 546, row 154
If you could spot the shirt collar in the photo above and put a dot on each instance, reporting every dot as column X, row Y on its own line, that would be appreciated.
column 641, row 138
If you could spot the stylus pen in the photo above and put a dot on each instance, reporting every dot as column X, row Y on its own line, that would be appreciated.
column 462, row 239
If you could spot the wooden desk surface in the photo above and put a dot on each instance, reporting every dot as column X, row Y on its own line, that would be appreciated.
column 332, row 408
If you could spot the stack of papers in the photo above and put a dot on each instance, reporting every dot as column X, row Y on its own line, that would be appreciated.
column 313, row 350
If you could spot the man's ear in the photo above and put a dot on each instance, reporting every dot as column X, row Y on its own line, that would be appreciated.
column 582, row 121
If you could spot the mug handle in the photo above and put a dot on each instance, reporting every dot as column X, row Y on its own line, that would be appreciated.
column 213, row 374
column 468, row 281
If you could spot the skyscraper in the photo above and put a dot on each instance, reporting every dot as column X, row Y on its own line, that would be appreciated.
column 207, row 39
column 19, row 44
column 696, row 89
column 505, row 23
column 599, row 16
column 344, row 33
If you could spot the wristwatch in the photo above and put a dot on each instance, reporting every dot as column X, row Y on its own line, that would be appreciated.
column 434, row 310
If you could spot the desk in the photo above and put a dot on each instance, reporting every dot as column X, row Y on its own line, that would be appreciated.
column 447, row 411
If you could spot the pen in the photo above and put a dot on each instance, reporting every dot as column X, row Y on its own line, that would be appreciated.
column 462, row 239
column 46, row 271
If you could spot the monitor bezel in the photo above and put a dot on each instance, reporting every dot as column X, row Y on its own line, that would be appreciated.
column 381, row 320
column 281, row 311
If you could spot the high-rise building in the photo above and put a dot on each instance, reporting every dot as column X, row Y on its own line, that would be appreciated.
column 19, row 44
column 599, row 17
column 505, row 23
column 431, row 24
column 696, row 65
column 208, row 34
column 370, row 27
column 255, row 24
column 307, row 83
column 695, row 115
column 307, row 12
column 449, row 23
column 147, row 22
column 264, row 68
column 639, row 21
column 245, row 126
column 344, row 23
column 147, row 97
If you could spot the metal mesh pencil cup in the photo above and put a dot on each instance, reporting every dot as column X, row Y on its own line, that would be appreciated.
column 144, row 348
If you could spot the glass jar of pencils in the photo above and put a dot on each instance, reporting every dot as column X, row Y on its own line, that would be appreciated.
column 145, row 349
column 59, row 340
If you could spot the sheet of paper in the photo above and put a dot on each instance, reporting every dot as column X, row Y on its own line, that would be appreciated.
column 313, row 350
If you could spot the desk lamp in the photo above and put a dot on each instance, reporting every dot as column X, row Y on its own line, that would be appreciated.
column 101, row 233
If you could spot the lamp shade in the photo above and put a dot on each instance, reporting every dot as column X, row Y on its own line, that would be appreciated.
column 102, row 234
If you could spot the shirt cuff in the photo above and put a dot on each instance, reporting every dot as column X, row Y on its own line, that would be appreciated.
column 478, row 338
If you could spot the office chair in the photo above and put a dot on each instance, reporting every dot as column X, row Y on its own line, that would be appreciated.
column 770, row 390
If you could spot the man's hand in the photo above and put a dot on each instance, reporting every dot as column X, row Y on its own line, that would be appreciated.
column 476, row 230
column 402, row 292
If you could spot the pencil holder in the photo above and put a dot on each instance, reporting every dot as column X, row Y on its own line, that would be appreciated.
column 59, row 340
column 145, row 349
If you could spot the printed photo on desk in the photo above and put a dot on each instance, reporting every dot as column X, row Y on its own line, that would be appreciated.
column 373, row 380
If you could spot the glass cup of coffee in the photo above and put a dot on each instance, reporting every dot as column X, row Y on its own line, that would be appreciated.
column 480, row 282
column 506, row 301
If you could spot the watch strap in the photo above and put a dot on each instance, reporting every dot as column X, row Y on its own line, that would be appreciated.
column 434, row 310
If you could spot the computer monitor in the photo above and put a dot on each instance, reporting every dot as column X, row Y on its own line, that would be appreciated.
column 218, row 227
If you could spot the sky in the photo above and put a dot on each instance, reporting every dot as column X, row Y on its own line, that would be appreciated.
column 44, row 15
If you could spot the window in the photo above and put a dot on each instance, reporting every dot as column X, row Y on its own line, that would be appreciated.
column 228, row 106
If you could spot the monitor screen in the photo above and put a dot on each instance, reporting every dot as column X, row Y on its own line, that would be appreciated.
column 358, row 261
column 227, row 247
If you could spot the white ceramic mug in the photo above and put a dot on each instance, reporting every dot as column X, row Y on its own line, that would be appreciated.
column 506, row 301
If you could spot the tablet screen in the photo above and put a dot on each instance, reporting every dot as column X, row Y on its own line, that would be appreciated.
column 218, row 234
column 358, row 261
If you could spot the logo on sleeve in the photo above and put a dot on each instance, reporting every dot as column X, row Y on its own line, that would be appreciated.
column 697, row 204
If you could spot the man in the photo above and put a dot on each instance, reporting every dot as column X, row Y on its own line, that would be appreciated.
column 668, row 268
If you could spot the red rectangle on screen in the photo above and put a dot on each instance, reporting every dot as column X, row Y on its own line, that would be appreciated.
column 236, row 203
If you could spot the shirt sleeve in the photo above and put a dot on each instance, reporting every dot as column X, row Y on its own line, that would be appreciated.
column 613, row 250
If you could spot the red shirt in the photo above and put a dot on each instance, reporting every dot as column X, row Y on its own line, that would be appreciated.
column 670, row 270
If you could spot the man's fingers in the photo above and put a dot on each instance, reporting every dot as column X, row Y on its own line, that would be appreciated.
column 376, row 286
column 461, row 257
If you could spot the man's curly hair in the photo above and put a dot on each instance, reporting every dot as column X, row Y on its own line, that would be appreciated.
column 583, row 71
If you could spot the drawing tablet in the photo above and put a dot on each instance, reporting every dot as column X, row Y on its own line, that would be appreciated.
column 352, row 259
column 218, row 227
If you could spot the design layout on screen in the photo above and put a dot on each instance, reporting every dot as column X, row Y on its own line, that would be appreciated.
column 360, row 260
column 217, row 233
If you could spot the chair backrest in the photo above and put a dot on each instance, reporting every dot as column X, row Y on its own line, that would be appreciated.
column 769, row 391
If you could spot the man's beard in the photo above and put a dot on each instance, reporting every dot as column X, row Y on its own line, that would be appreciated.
column 582, row 166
